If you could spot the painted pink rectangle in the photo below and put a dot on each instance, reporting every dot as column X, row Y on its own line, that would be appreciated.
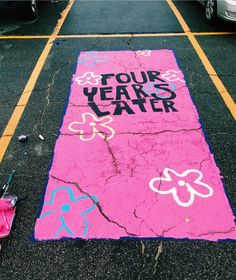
column 131, row 159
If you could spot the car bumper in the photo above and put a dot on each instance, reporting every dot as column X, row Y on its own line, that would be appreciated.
column 227, row 9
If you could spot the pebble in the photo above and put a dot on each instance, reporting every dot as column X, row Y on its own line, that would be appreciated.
column 22, row 138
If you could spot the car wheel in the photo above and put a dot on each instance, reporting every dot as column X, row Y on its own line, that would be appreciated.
column 31, row 9
column 211, row 10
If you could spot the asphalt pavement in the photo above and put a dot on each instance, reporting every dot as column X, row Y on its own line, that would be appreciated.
column 94, row 25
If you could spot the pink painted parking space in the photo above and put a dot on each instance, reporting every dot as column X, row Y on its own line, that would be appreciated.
column 131, row 159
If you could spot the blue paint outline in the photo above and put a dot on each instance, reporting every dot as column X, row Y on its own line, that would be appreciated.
column 63, row 226
column 72, row 199
column 46, row 214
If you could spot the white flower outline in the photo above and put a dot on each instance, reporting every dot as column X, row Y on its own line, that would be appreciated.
column 88, row 78
column 94, row 129
column 171, row 75
column 144, row 52
column 173, row 190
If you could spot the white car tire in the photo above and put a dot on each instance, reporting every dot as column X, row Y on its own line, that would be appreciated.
column 31, row 9
column 210, row 11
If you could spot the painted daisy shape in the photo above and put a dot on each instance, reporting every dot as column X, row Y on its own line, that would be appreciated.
column 183, row 187
column 64, row 214
column 172, row 75
column 88, row 78
column 91, row 126
column 144, row 53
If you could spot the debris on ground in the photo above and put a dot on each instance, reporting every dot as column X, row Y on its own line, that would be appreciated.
column 41, row 137
column 22, row 138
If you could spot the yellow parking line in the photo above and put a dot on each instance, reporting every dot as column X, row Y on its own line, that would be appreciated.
column 94, row 35
column 81, row 36
column 4, row 37
column 20, row 107
column 229, row 102
column 213, row 33
column 121, row 35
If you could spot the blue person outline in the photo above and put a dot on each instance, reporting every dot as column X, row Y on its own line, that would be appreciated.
column 66, row 207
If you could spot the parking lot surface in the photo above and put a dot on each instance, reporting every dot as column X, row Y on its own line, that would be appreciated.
column 37, row 61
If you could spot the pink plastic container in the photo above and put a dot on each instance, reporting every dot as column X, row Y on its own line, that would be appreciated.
column 7, row 214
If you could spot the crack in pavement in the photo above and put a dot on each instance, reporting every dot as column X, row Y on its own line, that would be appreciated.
column 143, row 221
column 139, row 133
column 135, row 210
column 160, row 132
column 48, row 92
column 232, row 229
column 114, row 161
column 96, row 203
column 204, row 160
column 128, row 42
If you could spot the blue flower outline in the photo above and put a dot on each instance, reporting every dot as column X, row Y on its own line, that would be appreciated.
column 72, row 199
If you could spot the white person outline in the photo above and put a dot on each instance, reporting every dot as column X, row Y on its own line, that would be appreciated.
column 182, row 183
column 94, row 124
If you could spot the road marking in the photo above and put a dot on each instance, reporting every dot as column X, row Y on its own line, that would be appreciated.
column 213, row 33
column 121, row 35
column 229, row 102
column 22, row 103
column 143, row 35
column 24, row 37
